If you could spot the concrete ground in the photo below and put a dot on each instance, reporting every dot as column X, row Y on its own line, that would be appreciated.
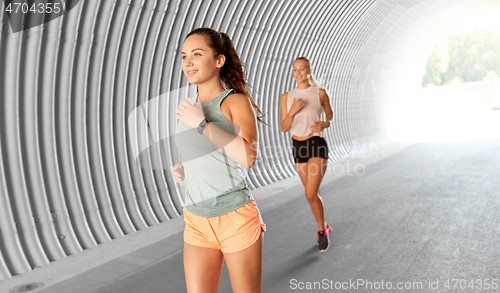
column 410, row 218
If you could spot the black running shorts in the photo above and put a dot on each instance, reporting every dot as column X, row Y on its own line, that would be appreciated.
column 314, row 147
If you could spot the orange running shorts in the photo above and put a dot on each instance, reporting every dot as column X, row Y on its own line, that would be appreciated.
column 230, row 232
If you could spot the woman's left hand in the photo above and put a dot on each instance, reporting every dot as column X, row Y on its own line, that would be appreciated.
column 191, row 115
column 319, row 126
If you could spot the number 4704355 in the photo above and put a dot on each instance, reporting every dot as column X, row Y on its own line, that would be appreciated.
column 36, row 7
column 472, row 284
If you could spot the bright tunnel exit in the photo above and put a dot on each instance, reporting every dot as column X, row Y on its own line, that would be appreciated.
column 460, row 95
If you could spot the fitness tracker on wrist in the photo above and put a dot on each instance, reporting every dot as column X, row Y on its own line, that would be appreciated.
column 202, row 125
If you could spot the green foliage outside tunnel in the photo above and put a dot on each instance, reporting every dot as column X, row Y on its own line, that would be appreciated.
column 470, row 56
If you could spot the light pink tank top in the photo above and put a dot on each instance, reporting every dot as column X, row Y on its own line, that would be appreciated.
column 308, row 114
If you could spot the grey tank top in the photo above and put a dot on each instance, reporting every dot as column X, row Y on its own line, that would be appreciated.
column 215, row 185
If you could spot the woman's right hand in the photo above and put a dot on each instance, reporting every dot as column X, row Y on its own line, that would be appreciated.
column 296, row 106
column 178, row 173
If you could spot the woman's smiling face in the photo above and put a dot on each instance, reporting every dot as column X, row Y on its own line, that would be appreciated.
column 300, row 70
column 198, row 62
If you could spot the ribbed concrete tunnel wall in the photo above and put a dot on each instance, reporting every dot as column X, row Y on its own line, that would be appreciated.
column 68, row 174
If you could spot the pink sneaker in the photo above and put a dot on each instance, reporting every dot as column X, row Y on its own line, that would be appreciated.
column 323, row 239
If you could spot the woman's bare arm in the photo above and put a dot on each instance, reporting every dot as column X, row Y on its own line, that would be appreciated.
column 241, row 148
column 325, row 102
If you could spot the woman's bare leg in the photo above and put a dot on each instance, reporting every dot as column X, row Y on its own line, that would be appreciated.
column 311, row 174
column 302, row 170
column 202, row 267
column 245, row 268
column 316, row 168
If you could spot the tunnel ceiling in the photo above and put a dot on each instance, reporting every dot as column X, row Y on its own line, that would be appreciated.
column 69, row 178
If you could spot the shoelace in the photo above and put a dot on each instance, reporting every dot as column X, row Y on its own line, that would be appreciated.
column 328, row 229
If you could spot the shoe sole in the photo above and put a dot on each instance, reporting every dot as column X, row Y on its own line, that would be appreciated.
column 324, row 249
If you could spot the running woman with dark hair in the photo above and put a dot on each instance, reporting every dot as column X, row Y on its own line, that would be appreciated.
column 216, row 136
column 301, row 110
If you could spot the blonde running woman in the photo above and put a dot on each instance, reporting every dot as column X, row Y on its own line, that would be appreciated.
column 300, row 113
column 216, row 136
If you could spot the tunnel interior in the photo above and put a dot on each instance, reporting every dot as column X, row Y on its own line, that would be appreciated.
column 73, row 91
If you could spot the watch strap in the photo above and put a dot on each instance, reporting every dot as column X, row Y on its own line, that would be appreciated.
column 202, row 125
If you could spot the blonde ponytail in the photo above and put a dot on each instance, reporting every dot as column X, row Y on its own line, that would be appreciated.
column 311, row 80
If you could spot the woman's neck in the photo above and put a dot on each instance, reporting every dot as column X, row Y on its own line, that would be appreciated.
column 209, row 90
column 303, row 85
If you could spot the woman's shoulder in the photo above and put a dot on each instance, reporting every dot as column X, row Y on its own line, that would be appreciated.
column 317, row 90
column 322, row 91
column 237, row 100
column 290, row 92
column 236, row 96
column 284, row 97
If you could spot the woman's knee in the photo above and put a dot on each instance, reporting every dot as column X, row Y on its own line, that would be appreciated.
column 312, row 196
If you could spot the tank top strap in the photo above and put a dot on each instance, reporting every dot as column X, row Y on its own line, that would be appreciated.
column 194, row 99
column 219, row 99
column 224, row 95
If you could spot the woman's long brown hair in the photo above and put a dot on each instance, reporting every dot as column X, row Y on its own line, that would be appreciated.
column 232, row 71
